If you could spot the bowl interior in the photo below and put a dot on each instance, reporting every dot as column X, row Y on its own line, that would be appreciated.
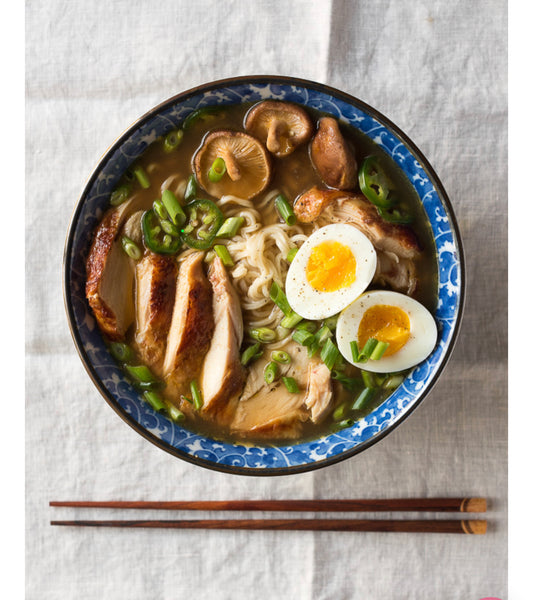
column 240, row 458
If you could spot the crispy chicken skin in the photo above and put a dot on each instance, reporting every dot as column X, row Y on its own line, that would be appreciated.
column 222, row 375
column 155, row 291
column 191, row 329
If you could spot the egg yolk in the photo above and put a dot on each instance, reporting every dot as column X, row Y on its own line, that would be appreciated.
column 385, row 323
column 331, row 267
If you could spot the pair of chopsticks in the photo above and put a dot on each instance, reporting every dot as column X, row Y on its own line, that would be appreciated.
column 447, row 505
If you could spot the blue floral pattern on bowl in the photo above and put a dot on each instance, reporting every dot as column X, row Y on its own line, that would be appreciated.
column 240, row 458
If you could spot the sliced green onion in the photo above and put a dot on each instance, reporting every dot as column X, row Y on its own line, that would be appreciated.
column 350, row 383
column 263, row 334
column 329, row 354
column 197, row 398
column 340, row 411
column 368, row 348
column 291, row 384
column 280, row 357
column 392, row 382
column 277, row 295
column 172, row 140
column 169, row 227
column 379, row 350
column 217, row 170
column 223, row 254
column 303, row 337
column 307, row 326
column 173, row 207
column 368, row 379
column 251, row 353
column 120, row 352
column 355, row 351
column 313, row 347
column 130, row 248
column 291, row 320
column 174, row 413
column 331, row 322
column 141, row 373
column 346, row 423
column 230, row 227
column 285, row 210
column 324, row 333
column 271, row 372
column 142, row 177
column 191, row 189
column 364, row 398
column 154, row 400
column 120, row 195
column 291, row 254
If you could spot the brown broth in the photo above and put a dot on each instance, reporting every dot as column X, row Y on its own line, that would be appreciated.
column 292, row 175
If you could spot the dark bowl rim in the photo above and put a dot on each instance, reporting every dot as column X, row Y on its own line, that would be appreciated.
column 282, row 80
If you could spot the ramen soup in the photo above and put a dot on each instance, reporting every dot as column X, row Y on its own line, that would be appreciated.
column 264, row 273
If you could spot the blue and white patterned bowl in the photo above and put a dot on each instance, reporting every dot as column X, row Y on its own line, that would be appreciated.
column 237, row 458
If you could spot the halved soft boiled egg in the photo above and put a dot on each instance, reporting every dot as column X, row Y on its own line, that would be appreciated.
column 404, row 324
column 330, row 270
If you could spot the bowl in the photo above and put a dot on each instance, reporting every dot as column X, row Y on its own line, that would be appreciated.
column 255, row 459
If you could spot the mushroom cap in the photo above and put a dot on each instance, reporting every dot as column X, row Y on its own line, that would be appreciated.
column 248, row 169
column 333, row 157
column 281, row 126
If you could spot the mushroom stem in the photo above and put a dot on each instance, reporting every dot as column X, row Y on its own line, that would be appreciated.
column 232, row 166
column 275, row 130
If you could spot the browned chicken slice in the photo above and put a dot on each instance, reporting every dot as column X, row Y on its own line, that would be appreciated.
column 222, row 376
column 319, row 391
column 396, row 272
column 155, row 291
column 332, row 156
column 191, row 329
column 110, row 274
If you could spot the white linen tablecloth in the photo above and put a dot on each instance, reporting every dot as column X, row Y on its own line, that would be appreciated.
column 438, row 69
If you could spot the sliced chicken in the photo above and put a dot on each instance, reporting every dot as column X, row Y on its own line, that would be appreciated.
column 191, row 329
column 155, row 292
column 223, row 376
column 396, row 272
column 319, row 391
column 270, row 410
column 110, row 274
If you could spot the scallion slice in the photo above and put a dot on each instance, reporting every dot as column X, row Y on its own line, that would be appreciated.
column 364, row 398
column 291, row 320
column 324, row 333
column 263, row 334
column 191, row 189
column 130, row 248
column 223, row 254
column 291, row 254
column 329, row 354
column 120, row 195
column 196, row 394
column 285, row 210
column 251, row 353
column 303, row 337
column 291, row 384
column 271, row 372
column 154, row 400
column 379, row 350
column 141, row 373
column 172, row 140
column 217, row 170
column 173, row 207
column 120, row 352
column 280, row 357
column 142, row 177
column 230, row 227
column 174, row 413
column 277, row 295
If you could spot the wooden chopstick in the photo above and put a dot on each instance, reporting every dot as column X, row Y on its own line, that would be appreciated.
column 471, row 526
column 366, row 505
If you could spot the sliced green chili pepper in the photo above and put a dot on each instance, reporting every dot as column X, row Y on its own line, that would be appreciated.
column 155, row 238
column 375, row 184
column 204, row 220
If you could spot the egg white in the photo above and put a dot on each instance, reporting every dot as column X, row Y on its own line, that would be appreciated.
column 310, row 303
column 421, row 342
